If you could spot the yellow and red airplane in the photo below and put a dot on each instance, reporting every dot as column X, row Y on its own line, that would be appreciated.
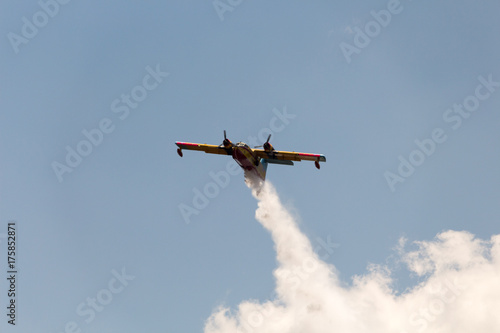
column 253, row 161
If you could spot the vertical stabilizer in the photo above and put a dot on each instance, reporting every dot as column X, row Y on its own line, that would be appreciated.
column 263, row 162
column 255, row 177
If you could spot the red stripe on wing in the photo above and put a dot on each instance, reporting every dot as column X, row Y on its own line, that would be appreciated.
column 186, row 144
column 305, row 154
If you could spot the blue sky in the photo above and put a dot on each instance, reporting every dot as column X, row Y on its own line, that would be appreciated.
column 119, row 207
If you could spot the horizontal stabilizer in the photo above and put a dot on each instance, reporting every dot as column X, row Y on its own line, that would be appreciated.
column 276, row 161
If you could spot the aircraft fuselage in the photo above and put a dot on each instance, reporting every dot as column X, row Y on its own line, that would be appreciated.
column 248, row 161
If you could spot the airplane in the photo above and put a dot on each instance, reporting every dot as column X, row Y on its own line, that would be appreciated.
column 252, row 160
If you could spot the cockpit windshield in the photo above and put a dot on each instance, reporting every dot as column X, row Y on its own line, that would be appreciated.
column 242, row 144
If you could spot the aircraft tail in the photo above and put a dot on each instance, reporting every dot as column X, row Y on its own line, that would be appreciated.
column 255, row 178
column 276, row 161
column 263, row 162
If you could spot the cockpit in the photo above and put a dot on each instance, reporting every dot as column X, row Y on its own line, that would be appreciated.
column 242, row 144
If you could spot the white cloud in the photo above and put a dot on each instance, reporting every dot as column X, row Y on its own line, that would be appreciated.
column 460, row 291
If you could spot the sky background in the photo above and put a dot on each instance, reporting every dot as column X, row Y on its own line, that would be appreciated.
column 119, row 208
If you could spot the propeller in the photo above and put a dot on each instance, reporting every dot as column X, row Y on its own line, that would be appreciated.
column 226, row 143
column 266, row 144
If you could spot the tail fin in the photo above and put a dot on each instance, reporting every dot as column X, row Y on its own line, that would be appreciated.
column 263, row 162
column 255, row 178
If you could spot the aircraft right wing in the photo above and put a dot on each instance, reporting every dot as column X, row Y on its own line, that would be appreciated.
column 209, row 149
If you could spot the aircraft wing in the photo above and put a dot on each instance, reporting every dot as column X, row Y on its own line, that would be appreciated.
column 289, row 155
column 209, row 149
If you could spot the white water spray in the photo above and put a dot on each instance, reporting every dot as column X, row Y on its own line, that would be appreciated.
column 460, row 291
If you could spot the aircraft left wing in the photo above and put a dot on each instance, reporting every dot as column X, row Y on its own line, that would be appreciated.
column 209, row 149
column 289, row 155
